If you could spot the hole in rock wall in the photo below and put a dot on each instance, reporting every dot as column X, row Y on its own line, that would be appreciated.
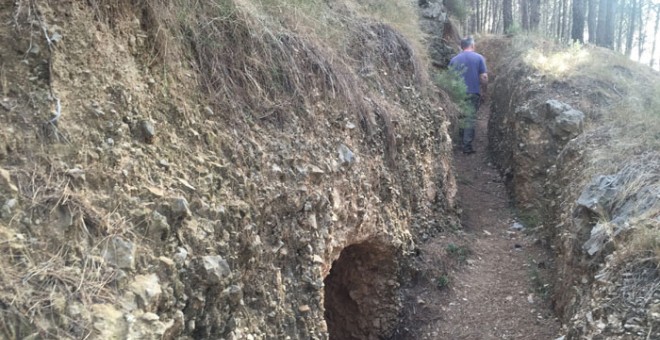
column 361, row 293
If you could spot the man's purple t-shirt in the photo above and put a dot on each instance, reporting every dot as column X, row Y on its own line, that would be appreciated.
column 470, row 64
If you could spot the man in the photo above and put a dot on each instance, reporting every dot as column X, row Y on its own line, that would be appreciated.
column 472, row 67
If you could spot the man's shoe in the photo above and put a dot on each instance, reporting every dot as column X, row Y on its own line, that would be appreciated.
column 468, row 151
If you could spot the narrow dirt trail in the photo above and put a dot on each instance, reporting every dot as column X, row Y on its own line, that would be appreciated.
column 494, row 292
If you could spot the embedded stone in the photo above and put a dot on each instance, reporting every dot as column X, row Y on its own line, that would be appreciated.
column 214, row 268
column 120, row 253
column 147, row 291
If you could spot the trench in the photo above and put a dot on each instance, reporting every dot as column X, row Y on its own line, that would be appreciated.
column 497, row 276
column 485, row 281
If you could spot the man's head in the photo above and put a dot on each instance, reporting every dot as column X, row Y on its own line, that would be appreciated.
column 467, row 43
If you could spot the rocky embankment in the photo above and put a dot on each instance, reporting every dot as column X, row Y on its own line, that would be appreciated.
column 588, row 185
column 186, row 171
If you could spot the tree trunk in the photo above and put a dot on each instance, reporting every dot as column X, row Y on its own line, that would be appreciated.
column 631, row 27
column 605, row 29
column 486, row 16
column 620, row 22
column 552, row 15
column 507, row 15
column 496, row 15
column 473, row 18
column 568, row 20
column 493, row 24
column 477, row 19
column 561, row 16
column 642, row 32
column 524, row 15
column 577, row 33
column 610, row 22
column 534, row 14
column 592, row 21
column 656, row 7
column 555, row 27
column 600, row 28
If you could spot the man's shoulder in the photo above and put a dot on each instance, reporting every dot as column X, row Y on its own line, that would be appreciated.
column 476, row 55
column 459, row 57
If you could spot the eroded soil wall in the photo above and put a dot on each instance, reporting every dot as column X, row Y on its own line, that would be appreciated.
column 176, row 170
column 555, row 139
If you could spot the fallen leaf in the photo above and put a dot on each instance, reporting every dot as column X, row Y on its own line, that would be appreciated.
column 186, row 184
column 156, row 191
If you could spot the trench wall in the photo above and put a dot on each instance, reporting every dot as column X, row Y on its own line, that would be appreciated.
column 552, row 140
column 171, row 174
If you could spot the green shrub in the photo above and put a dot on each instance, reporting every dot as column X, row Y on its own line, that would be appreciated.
column 452, row 82
column 459, row 252
column 443, row 281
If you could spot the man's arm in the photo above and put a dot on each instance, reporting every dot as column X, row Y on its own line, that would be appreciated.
column 483, row 78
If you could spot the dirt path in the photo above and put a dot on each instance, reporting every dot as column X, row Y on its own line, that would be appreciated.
column 495, row 292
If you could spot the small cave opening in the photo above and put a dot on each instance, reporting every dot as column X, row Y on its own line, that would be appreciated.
column 361, row 296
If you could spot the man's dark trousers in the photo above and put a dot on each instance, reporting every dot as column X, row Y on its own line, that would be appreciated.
column 469, row 122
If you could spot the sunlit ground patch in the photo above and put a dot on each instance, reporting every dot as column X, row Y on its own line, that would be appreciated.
column 558, row 63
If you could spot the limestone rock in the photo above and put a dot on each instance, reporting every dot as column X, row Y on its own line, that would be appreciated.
column 148, row 326
column 120, row 253
column 346, row 156
column 181, row 256
column 570, row 123
column 7, row 207
column 567, row 122
column 554, row 108
column 214, row 269
column 517, row 226
column 176, row 328
column 159, row 229
column 108, row 322
column 147, row 291
column 433, row 21
column 180, row 208
column 598, row 239
column 147, row 131
column 598, row 194
column 234, row 294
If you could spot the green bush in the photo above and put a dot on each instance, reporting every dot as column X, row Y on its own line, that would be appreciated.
column 452, row 82
column 443, row 281
column 459, row 252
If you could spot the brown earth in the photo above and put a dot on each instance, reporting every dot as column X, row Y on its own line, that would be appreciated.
column 486, row 281
column 181, row 170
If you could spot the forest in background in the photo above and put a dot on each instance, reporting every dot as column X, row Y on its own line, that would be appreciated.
column 627, row 26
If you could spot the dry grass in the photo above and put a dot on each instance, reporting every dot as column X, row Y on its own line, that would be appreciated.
column 47, row 266
column 259, row 59
column 270, row 61
column 645, row 242
column 401, row 15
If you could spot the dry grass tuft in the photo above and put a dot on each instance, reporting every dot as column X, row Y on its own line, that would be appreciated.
column 52, row 262
column 645, row 242
column 270, row 61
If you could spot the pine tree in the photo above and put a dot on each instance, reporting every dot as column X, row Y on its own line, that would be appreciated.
column 507, row 15
column 577, row 32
